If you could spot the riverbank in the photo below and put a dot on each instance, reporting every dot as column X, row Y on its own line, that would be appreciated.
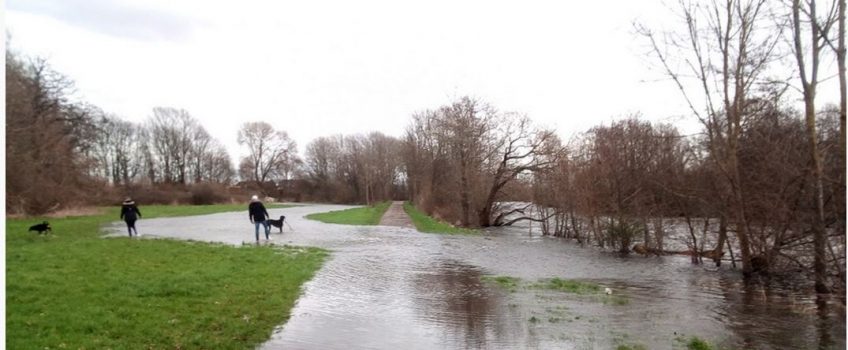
column 75, row 289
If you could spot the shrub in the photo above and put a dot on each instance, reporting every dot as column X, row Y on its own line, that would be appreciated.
column 206, row 194
column 621, row 232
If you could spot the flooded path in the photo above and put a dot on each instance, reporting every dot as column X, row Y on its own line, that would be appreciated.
column 395, row 288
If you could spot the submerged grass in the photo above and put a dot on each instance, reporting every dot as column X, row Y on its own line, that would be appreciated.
column 507, row 282
column 369, row 215
column 75, row 289
column 571, row 286
column 631, row 347
column 696, row 343
column 583, row 288
column 425, row 223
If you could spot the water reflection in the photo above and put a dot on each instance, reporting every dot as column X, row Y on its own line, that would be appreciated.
column 763, row 315
column 451, row 295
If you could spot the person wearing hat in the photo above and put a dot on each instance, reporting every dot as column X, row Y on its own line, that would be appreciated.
column 258, row 215
column 130, row 213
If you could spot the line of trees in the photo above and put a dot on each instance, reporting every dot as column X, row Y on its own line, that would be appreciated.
column 46, row 134
column 171, row 147
column 353, row 169
column 465, row 159
column 62, row 152
column 733, row 48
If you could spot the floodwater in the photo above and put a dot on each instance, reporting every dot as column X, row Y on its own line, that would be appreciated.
column 395, row 288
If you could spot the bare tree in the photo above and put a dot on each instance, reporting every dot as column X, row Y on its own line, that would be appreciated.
column 321, row 161
column 201, row 143
column 353, row 168
column 171, row 136
column 380, row 165
column 423, row 158
column 808, row 72
column 46, row 138
column 217, row 167
column 727, row 56
column 519, row 148
column 467, row 126
column 266, row 149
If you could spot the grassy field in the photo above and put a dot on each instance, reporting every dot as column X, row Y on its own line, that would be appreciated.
column 425, row 223
column 74, row 289
column 355, row 216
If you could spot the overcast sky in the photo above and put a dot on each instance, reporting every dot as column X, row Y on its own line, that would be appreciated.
column 316, row 68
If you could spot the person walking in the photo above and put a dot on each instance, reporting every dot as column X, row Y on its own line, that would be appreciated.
column 130, row 213
column 258, row 216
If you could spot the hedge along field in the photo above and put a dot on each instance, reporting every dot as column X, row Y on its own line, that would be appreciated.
column 74, row 289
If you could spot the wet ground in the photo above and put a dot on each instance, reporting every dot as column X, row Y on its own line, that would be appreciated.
column 396, row 216
column 394, row 288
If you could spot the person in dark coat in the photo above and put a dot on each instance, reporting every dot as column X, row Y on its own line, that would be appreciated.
column 130, row 213
column 258, row 216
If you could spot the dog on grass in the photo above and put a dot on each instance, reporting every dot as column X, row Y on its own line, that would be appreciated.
column 277, row 223
column 41, row 228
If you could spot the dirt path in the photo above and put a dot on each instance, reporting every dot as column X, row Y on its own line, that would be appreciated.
column 396, row 216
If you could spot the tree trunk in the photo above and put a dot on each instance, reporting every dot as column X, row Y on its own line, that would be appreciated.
column 843, row 90
column 659, row 234
column 722, row 238
column 843, row 95
column 809, row 88
column 464, row 196
column 819, row 265
column 738, row 204
column 485, row 215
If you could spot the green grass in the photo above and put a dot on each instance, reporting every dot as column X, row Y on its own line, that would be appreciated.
column 426, row 223
column 507, row 282
column 570, row 286
column 74, row 289
column 696, row 343
column 369, row 215
column 591, row 290
column 613, row 299
column 631, row 347
column 584, row 288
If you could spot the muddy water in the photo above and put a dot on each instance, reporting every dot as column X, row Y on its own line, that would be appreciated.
column 395, row 288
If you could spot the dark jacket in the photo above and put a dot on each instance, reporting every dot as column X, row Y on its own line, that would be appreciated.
column 256, row 211
column 129, row 212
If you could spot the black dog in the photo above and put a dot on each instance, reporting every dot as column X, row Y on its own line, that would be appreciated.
column 277, row 223
column 41, row 228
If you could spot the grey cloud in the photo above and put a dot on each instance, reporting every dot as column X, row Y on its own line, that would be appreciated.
column 111, row 18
